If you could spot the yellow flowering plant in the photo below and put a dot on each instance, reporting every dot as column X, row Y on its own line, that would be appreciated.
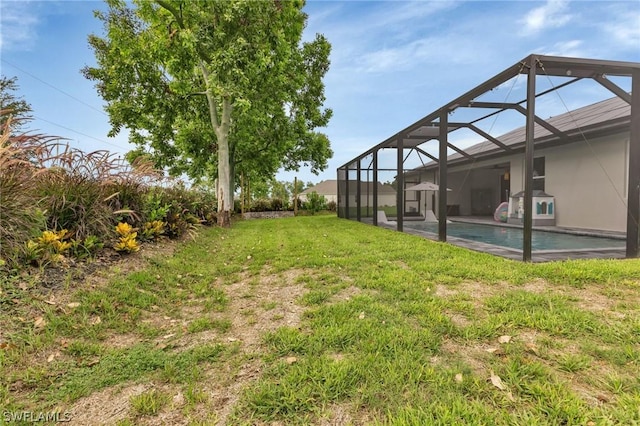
column 127, row 242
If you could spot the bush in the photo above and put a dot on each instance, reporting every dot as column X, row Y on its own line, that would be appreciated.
column 75, row 201
column 315, row 202
column 127, row 242
column 261, row 205
column 276, row 204
column 19, row 219
column 332, row 206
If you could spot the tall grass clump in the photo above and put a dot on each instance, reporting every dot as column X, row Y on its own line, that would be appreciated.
column 48, row 188
column 88, row 193
column 19, row 220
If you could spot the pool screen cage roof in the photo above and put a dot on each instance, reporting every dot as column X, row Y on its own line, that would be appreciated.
column 436, row 126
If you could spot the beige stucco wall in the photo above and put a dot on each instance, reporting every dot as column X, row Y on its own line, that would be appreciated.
column 328, row 197
column 587, row 180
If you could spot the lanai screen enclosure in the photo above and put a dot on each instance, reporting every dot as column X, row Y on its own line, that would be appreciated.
column 539, row 77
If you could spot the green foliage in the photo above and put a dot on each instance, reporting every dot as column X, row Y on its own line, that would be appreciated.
column 261, row 205
column 277, row 204
column 152, row 230
column 262, row 100
column 127, row 241
column 154, row 208
column 148, row 403
column 20, row 218
column 315, row 202
column 13, row 107
column 87, row 248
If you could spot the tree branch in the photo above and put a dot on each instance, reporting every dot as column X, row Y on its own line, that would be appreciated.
column 177, row 14
column 213, row 108
column 172, row 10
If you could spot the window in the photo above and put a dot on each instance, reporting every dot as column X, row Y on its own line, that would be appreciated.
column 538, row 173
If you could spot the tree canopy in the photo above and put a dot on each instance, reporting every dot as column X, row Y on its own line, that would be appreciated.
column 13, row 105
column 215, row 88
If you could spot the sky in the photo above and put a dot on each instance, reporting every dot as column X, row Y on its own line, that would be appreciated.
column 392, row 62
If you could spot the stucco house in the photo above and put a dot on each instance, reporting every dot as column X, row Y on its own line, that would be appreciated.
column 329, row 188
column 579, row 169
column 584, row 177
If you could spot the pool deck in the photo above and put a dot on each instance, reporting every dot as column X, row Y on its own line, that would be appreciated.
column 515, row 254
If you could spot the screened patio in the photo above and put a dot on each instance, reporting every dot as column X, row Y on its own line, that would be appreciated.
column 477, row 163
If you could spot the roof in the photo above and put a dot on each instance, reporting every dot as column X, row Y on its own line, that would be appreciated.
column 571, row 70
column 330, row 187
column 613, row 113
column 326, row 187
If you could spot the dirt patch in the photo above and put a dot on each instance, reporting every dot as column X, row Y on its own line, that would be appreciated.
column 105, row 407
column 347, row 294
column 536, row 286
column 458, row 320
column 257, row 305
column 476, row 290
column 258, row 309
column 474, row 357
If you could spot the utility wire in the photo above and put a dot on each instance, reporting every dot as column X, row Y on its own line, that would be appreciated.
column 53, row 87
column 70, row 96
column 80, row 133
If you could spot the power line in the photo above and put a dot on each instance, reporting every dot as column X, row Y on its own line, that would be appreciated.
column 80, row 133
column 53, row 87
column 70, row 96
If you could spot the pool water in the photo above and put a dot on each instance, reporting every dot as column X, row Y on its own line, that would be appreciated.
column 512, row 237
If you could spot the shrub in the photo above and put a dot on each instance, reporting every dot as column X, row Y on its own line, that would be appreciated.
column 315, row 202
column 152, row 230
column 20, row 219
column 49, row 247
column 332, row 206
column 276, row 204
column 260, row 205
column 86, row 248
column 75, row 201
column 127, row 242
column 155, row 208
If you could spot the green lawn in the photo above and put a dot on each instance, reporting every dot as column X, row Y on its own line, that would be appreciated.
column 316, row 319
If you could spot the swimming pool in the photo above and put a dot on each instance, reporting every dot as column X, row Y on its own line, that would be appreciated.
column 512, row 237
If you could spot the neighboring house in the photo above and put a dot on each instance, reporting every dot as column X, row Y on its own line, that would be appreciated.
column 586, row 174
column 329, row 188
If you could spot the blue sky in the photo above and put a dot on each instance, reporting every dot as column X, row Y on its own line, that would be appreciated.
column 392, row 62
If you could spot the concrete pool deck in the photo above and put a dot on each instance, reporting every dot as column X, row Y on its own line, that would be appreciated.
column 515, row 254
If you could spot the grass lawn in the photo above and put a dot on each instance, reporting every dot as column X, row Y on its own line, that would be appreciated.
column 317, row 320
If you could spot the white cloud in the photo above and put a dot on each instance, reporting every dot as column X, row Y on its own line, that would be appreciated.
column 17, row 25
column 571, row 48
column 551, row 15
column 424, row 51
column 625, row 28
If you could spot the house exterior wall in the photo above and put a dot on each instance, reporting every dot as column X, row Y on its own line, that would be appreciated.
column 588, row 181
column 328, row 197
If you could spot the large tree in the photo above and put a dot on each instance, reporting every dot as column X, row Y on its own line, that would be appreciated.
column 214, row 87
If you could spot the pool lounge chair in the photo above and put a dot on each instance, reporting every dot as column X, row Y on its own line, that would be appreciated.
column 430, row 217
column 382, row 218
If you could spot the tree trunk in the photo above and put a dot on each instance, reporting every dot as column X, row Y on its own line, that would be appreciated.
column 221, row 127
column 232, row 181
column 225, row 198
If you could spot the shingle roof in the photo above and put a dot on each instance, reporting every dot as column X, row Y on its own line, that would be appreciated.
column 330, row 187
column 579, row 122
